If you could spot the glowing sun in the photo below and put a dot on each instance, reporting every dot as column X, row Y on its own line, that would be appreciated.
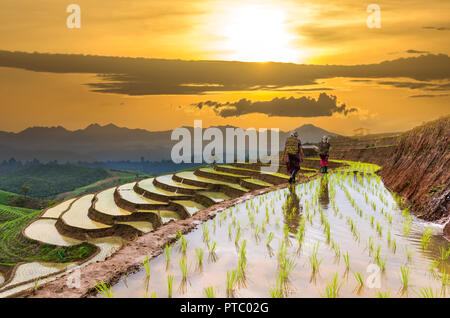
column 259, row 34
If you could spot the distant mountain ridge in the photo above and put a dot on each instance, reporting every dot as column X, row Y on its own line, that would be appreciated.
column 106, row 143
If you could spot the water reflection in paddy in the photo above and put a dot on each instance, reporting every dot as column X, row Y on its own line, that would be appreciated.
column 363, row 217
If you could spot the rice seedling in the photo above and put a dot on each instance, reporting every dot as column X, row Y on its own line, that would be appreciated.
column 153, row 295
column 379, row 229
column 36, row 285
column 428, row 292
column 333, row 287
column 405, row 212
column 389, row 236
column 167, row 250
column 315, row 263
column 359, row 279
column 251, row 218
column 389, row 217
column 346, row 260
column 242, row 262
column 426, row 238
column 277, row 291
column 146, row 263
column 286, row 233
column 269, row 238
column 337, row 249
column 169, row 285
column 404, row 276
column 105, row 289
column 370, row 245
column 237, row 236
column 232, row 278
column 209, row 292
column 383, row 295
column 285, row 266
column 377, row 253
column 327, row 232
column 407, row 226
column 183, row 242
column 409, row 253
column 445, row 278
column 205, row 233
column 444, row 253
column 434, row 264
column 212, row 248
column 381, row 263
column 183, row 267
column 199, row 255
column 263, row 226
column 394, row 246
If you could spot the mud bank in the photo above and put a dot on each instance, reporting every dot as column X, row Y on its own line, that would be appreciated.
column 129, row 258
column 418, row 170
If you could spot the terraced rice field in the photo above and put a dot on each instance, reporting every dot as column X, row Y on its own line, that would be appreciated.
column 77, row 215
column 21, row 257
column 342, row 235
column 107, row 205
column 90, row 228
column 8, row 213
column 44, row 230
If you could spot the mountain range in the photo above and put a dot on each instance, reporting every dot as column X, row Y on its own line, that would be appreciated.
column 106, row 143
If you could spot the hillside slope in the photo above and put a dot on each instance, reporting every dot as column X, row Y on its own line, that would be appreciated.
column 46, row 180
column 418, row 169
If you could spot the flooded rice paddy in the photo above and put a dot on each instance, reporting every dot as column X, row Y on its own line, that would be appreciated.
column 343, row 235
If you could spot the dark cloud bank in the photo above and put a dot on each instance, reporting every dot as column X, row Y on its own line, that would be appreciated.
column 324, row 105
column 142, row 76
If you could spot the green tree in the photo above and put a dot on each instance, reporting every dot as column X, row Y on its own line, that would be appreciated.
column 26, row 188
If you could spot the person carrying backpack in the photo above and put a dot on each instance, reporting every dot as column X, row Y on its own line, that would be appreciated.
column 293, row 155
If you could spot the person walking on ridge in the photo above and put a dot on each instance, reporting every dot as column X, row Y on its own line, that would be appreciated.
column 293, row 155
column 324, row 153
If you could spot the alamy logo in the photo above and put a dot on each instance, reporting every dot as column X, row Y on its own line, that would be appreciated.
column 374, row 19
column 214, row 152
column 74, row 19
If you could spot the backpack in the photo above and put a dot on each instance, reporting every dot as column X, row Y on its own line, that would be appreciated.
column 292, row 145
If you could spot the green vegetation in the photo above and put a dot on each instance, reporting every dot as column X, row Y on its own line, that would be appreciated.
column 426, row 238
column 404, row 276
column 199, row 255
column 115, row 178
column 8, row 213
column 169, row 286
column 146, row 263
column 46, row 180
column 209, row 292
column 333, row 287
column 359, row 279
column 17, row 200
column 15, row 248
column 383, row 295
column 429, row 292
column 105, row 289
column 313, row 260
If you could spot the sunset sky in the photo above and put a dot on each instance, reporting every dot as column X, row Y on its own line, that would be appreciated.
column 331, row 70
